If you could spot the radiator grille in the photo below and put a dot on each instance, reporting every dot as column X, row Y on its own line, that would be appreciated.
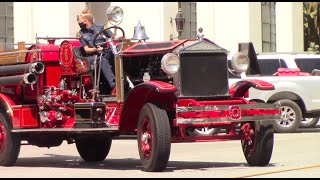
column 203, row 75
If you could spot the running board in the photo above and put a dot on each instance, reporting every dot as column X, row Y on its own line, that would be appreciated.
column 71, row 130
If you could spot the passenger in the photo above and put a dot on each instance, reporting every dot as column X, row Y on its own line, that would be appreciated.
column 87, row 33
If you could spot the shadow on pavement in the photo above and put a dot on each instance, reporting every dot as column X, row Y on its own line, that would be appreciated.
column 306, row 130
column 62, row 161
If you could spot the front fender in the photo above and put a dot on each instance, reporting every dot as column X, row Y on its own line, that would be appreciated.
column 159, row 93
column 239, row 88
column 5, row 105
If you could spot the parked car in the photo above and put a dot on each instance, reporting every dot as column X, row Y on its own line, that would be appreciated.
column 300, row 67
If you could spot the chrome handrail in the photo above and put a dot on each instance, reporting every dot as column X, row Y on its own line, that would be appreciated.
column 15, row 44
column 58, row 37
column 17, row 52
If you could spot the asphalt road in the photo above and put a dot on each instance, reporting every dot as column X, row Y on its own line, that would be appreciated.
column 294, row 155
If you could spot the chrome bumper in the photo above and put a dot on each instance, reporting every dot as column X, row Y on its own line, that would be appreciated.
column 227, row 113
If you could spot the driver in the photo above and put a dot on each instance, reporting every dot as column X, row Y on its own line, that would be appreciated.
column 87, row 33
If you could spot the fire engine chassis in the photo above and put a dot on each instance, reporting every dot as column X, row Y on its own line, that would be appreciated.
column 166, row 92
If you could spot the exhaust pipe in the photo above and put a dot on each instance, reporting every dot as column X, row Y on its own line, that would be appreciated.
column 9, row 70
column 36, row 68
column 28, row 78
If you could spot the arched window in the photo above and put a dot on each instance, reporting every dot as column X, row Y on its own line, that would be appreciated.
column 268, row 20
column 189, row 10
column 6, row 25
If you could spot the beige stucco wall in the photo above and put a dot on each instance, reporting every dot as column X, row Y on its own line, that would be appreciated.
column 289, row 19
column 53, row 19
column 226, row 23
column 154, row 16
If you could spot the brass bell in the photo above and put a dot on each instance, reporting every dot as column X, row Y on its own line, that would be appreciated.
column 139, row 33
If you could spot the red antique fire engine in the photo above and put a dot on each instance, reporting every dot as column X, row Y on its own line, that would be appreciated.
column 166, row 92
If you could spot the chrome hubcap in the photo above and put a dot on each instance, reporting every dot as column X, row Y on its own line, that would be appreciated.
column 144, row 138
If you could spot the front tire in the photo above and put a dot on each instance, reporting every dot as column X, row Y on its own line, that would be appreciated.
column 93, row 148
column 154, row 138
column 258, row 150
column 10, row 143
column 291, row 116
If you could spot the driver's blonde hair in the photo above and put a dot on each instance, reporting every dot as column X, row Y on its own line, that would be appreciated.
column 86, row 14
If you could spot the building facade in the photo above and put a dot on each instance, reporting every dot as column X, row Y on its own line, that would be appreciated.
column 270, row 26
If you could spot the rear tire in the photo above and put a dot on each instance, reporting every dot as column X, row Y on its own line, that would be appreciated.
column 10, row 143
column 259, row 152
column 154, row 138
column 94, row 148
column 309, row 122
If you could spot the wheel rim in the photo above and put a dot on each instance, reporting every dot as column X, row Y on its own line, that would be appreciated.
column 146, row 138
column 288, row 116
column 249, row 143
column 2, row 136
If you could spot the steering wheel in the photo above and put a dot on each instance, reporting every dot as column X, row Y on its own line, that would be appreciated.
column 116, row 44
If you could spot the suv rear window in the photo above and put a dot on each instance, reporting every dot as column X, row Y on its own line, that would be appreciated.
column 308, row 64
column 270, row 66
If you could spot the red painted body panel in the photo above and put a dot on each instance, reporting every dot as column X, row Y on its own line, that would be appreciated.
column 49, row 52
column 25, row 116
column 51, row 76
column 11, row 90
column 22, row 116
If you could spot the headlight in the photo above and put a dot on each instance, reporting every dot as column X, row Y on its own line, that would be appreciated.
column 114, row 15
column 170, row 63
column 240, row 62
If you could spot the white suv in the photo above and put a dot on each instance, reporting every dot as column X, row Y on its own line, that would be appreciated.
column 268, row 64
